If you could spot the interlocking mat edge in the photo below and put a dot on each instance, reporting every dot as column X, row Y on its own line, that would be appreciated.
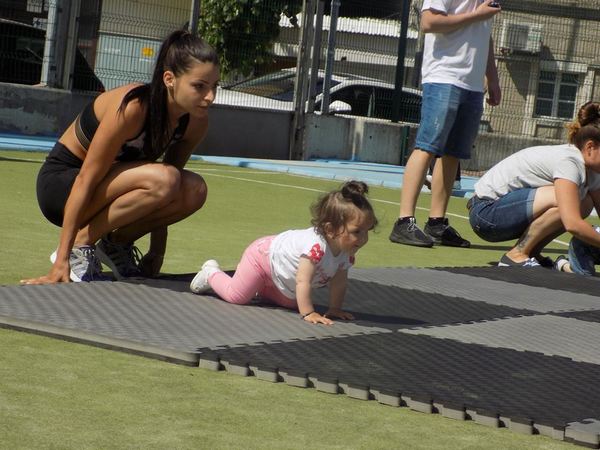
column 501, row 347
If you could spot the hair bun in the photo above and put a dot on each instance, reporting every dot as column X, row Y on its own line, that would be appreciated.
column 588, row 113
column 354, row 188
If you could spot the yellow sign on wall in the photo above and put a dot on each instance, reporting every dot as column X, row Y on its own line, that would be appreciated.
column 147, row 52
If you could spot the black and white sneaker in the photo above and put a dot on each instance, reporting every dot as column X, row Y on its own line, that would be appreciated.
column 407, row 232
column 561, row 264
column 444, row 234
column 84, row 264
column 505, row 261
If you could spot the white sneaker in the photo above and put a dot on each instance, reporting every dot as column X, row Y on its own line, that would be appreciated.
column 199, row 284
column 560, row 263
column 457, row 186
column 427, row 181
column 84, row 264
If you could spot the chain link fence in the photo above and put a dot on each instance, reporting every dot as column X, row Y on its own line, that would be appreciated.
column 547, row 53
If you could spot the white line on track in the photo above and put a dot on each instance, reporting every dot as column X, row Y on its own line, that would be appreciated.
column 238, row 171
column 292, row 186
column 204, row 170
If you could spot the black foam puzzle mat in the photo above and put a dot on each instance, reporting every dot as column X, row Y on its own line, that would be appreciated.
column 417, row 341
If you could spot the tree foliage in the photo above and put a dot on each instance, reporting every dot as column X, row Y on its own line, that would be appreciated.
column 243, row 31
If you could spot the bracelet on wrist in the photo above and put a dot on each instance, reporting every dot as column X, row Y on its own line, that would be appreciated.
column 303, row 316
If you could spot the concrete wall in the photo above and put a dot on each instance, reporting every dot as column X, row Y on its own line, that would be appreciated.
column 388, row 143
column 247, row 133
column 38, row 111
column 253, row 133
column 493, row 147
column 357, row 139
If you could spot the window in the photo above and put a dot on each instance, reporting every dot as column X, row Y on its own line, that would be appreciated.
column 410, row 105
column 556, row 94
column 359, row 97
column 377, row 102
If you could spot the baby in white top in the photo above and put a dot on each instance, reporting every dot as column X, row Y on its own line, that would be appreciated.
column 284, row 268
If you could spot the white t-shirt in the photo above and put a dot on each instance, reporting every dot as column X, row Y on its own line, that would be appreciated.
column 286, row 250
column 459, row 57
column 535, row 167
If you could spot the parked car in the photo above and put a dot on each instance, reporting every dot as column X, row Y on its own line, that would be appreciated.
column 21, row 54
column 350, row 94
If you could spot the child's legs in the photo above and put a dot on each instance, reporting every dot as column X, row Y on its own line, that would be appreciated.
column 583, row 257
column 250, row 276
column 269, row 292
column 273, row 295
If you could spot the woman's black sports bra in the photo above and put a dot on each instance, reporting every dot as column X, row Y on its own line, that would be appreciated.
column 87, row 123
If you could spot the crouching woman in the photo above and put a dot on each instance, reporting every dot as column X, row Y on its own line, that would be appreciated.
column 538, row 193
column 103, row 180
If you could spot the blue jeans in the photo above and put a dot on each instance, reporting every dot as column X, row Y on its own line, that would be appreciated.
column 504, row 219
column 583, row 257
column 449, row 120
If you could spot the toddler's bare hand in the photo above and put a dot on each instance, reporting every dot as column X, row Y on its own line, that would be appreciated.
column 339, row 314
column 315, row 317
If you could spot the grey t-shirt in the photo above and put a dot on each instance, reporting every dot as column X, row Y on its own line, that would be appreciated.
column 535, row 167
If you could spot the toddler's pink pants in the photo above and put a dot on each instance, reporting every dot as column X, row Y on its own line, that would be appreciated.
column 252, row 278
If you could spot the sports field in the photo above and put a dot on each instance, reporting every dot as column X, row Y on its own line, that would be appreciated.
column 61, row 395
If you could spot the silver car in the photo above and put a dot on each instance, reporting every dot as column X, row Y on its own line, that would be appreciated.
column 350, row 95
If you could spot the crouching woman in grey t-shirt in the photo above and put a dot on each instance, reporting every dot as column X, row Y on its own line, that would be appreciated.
column 537, row 193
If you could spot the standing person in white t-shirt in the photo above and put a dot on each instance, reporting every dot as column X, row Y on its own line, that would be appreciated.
column 457, row 59
column 284, row 268
column 538, row 193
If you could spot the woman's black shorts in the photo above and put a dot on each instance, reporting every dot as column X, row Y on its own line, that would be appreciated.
column 55, row 181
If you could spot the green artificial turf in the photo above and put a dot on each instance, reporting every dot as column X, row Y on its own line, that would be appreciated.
column 58, row 395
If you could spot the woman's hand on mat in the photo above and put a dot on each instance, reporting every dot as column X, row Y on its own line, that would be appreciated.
column 150, row 264
column 339, row 314
column 55, row 276
column 315, row 317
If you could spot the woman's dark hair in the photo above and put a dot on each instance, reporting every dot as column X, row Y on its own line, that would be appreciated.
column 177, row 53
column 337, row 207
column 586, row 126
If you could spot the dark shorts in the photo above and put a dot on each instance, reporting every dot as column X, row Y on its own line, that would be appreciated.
column 504, row 219
column 55, row 180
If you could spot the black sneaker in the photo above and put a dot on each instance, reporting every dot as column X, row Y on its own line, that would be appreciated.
column 444, row 234
column 123, row 260
column 408, row 233
column 545, row 261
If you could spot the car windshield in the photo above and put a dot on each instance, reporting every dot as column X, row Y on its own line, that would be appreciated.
column 277, row 86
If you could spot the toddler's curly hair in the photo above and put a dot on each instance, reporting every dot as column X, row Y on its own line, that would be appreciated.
column 338, row 207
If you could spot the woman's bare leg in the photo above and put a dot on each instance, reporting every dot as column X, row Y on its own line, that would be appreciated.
column 546, row 226
column 142, row 197
column 190, row 198
column 536, row 235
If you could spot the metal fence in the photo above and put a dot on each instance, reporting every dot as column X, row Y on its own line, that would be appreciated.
column 547, row 53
